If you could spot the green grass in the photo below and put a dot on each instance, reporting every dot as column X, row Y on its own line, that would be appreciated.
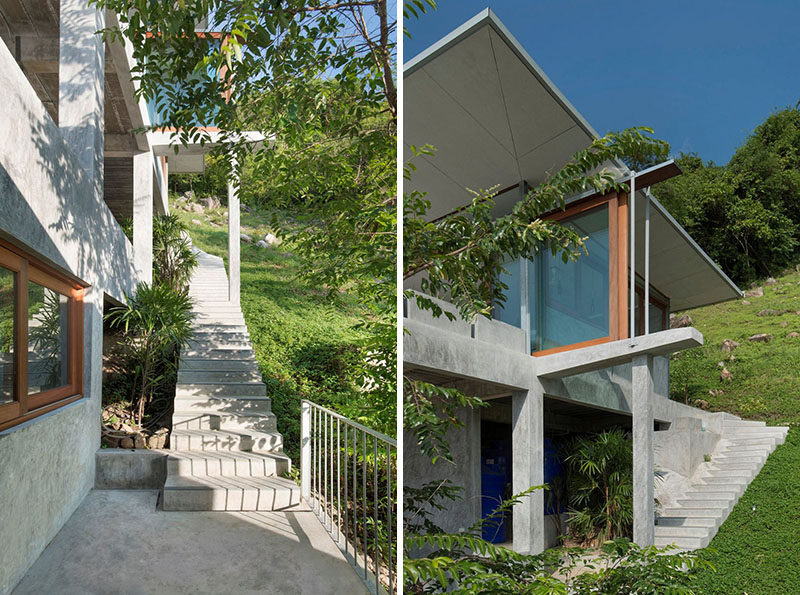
column 755, row 551
column 758, row 551
column 305, row 344
column 766, row 381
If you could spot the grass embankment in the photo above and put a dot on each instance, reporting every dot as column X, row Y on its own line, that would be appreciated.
column 757, row 549
column 305, row 344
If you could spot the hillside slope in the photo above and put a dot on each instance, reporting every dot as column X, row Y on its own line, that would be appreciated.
column 304, row 343
column 765, row 383
column 756, row 549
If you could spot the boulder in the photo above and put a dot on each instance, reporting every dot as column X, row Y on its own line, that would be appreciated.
column 246, row 238
column 770, row 281
column 715, row 392
column 745, row 303
column 726, row 375
column 188, row 196
column 139, row 441
column 784, row 324
column 793, row 335
column 757, row 292
column 126, row 442
column 680, row 321
column 196, row 208
column 701, row 404
column 197, row 222
column 210, row 202
column 729, row 345
column 271, row 239
column 769, row 312
column 262, row 244
column 760, row 338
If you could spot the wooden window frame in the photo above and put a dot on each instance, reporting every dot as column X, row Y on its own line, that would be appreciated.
column 617, row 265
column 24, row 406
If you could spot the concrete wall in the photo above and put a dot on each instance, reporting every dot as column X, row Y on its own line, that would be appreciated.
column 52, row 206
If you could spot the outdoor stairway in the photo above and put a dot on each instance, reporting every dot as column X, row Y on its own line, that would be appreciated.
column 226, row 450
column 717, row 485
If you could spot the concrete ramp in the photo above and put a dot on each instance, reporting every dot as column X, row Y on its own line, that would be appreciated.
column 226, row 452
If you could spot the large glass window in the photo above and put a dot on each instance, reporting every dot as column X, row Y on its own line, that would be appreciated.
column 510, row 312
column 40, row 338
column 573, row 296
column 7, row 316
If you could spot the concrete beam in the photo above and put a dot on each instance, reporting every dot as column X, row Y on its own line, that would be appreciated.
column 598, row 357
column 143, row 215
column 118, row 145
column 39, row 55
column 643, row 463
column 527, row 456
column 81, row 59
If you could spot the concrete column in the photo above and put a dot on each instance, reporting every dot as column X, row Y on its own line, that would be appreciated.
column 81, row 85
column 527, row 456
column 305, row 450
column 643, row 464
column 233, row 234
column 93, row 357
column 143, row 216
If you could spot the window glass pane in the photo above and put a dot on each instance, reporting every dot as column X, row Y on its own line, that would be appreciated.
column 47, row 338
column 573, row 299
column 656, row 318
column 510, row 311
column 7, row 311
column 533, row 289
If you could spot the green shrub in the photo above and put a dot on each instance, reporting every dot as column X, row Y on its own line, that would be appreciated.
column 600, row 486
column 155, row 325
column 173, row 257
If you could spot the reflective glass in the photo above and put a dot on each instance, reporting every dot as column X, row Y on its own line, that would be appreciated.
column 47, row 338
column 7, row 313
column 510, row 312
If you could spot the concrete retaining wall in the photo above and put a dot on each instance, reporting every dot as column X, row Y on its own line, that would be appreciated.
column 121, row 469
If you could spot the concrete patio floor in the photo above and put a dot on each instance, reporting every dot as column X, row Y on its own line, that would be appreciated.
column 118, row 542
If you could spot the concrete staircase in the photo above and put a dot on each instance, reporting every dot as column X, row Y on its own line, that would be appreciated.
column 226, row 450
column 717, row 485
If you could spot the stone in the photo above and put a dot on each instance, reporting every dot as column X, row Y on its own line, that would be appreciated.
column 721, row 364
column 188, row 196
column 681, row 321
column 701, row 404
column 793, row 335
column 770, row 281
column 126, row 442
column 210, row 202
column 760, row 338
column 197, row 222
column 271, row 239
column 715, row 392
column 726, row 375
column 745, row 303
column 757, row 292
column 769, row 312
column 262, row 244
column 246, row 238
column 197, row 208
column 784, row 324
column 729, row 345
column 214, row 224
column 139, row 441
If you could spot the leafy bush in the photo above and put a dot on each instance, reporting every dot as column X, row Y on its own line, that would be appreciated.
column 600, row 486
column 173, row 257
column 155, row 325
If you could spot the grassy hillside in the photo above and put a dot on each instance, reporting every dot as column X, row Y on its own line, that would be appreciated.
column 766, row 380
column 305, row 344
column 756, row 549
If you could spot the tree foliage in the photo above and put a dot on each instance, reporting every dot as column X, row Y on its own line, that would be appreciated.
column 746, row 214
column 173, row 257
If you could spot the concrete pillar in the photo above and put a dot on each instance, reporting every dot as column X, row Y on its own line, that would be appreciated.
column 643, row 464
column 143, row 215
column 233, row 234
column 527, row 456
column 93, row 356
column 81, row 85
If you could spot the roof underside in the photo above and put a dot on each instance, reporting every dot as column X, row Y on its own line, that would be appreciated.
column 495, row 119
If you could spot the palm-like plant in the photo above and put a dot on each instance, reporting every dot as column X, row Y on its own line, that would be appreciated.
column 600, row 485
column 155, row 323
column 173, row 257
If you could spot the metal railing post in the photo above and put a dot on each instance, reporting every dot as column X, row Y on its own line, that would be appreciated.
column 305, row 450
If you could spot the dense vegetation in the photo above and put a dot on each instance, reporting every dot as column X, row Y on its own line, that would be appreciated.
column 745, row 214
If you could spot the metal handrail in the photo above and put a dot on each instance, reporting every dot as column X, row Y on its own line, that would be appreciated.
column 332, row 444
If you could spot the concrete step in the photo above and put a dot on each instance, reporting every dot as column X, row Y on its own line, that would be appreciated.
column 205, row 365
column 745, row 474
column 221, row 336
column 217, row 354
column 768, row 442
column 734, row 457
column 231, row 405
column 239, row 422
column 701, row 493
column 733, row 466
column 215, row 327
column 687, row 521
column 706, row 503
column 706, row 513
column 231, row 493
column 216, row 440
column 205, row 376
column 740, row 482
column 742, row 423
column 231, row 344
column 221, row 389
column 681, row 531
column 226, row 464
column 682, row 543
column 754, row 430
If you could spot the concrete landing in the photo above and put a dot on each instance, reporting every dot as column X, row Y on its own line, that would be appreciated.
column 117, row 542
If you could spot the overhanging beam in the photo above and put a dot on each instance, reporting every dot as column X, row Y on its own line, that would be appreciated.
column 598, row 357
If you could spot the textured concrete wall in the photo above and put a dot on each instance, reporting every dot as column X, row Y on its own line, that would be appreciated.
column 52, row 207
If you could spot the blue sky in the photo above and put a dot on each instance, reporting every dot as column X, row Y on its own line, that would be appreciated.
column 702, row 73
